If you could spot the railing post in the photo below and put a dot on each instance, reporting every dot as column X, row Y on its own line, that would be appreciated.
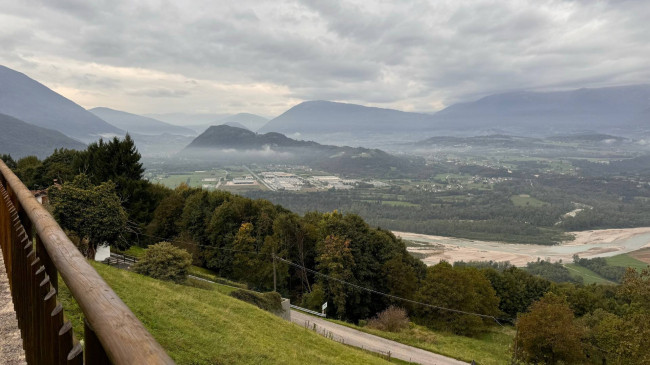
column 49, row 303
column 50, row 269
column 95, row 353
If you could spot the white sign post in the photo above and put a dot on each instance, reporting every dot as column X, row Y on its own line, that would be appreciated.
column 324, row 307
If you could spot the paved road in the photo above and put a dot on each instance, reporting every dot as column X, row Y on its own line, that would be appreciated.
column 370, row 342
column 260, row 179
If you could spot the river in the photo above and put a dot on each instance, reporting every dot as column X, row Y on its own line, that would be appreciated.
column 587, row 244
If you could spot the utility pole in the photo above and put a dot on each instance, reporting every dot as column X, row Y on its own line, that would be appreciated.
column 275, row 289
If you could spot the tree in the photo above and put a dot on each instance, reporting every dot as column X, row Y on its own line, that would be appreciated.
column 27, row 170
column 549, row 333
column 93, row 213
column 516, row 288
column 401, row 280
column 166, row 221
column 8, row 160
column 58, row 166
column 113, row 160
column 464, row 289
column 336, row 261
column 163, row 261
column 245, row 263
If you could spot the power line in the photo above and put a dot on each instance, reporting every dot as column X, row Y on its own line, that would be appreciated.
column 394, row 296
column 345, row 282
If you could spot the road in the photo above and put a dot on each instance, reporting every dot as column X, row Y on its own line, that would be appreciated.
column 370, row 342
column 260, row 179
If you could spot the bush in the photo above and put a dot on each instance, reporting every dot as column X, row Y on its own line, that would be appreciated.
column 392, row 319
column 549, row 333
column 165, row 262
column 271, row 301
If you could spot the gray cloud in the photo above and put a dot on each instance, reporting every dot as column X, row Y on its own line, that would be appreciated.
column 222, row 56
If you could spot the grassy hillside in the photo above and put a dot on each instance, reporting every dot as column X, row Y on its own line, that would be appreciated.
column 626, row 260
column 589, row 276
column 198, row 326
column 490, row 348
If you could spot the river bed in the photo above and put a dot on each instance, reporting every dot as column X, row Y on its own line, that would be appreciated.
column 587, row 244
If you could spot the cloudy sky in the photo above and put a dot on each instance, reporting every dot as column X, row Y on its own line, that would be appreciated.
column 266, row 56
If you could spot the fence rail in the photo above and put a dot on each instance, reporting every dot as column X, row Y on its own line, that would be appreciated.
column 308, row 311
column 36, row 251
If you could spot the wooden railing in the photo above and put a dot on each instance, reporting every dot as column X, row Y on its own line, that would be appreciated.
column 36, row 251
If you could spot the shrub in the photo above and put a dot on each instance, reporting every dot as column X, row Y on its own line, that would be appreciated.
column 165, row 262
column 392, row 319
column 271, row 301
column 549, row 333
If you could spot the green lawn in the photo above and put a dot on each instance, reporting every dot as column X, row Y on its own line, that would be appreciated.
column 589, row 276
column 134, row 251
column 395, row 203
column 626, row 260
column 523, row 200
column 490, row 348
column 198, row 326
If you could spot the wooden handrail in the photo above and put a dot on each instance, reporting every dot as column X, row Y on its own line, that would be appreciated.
column 121, row 334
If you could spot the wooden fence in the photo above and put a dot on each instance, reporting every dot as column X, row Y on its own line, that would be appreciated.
column 36, row 251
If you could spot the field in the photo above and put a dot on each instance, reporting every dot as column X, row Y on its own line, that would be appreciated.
column 589, row 276
column 629, row 260
column 198, row 326
column 523, row 200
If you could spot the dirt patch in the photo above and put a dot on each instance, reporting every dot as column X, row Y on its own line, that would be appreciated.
column 605, row 235
column 641, row 255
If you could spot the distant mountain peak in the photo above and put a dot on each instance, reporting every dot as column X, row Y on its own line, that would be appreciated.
column 20, row 139
column 135, row 123
column 321, row 117
column 30, row 101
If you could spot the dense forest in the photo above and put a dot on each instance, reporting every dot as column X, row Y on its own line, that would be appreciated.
column 490, row 214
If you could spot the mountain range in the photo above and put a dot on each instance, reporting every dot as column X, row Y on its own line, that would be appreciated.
column 134, row 123
column 623, row 110
column 20, row 139
column 619, row 111
column 30, row 101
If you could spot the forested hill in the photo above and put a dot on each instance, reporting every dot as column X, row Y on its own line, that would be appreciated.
column 21, row 139
column 230, row 144
column 226, row 136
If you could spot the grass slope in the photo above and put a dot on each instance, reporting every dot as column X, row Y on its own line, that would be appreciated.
column 589, row 276
column 490, row 348
column 198, row 326
column 625, row 260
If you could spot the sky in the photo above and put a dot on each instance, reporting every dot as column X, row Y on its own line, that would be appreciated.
column 263, row 57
